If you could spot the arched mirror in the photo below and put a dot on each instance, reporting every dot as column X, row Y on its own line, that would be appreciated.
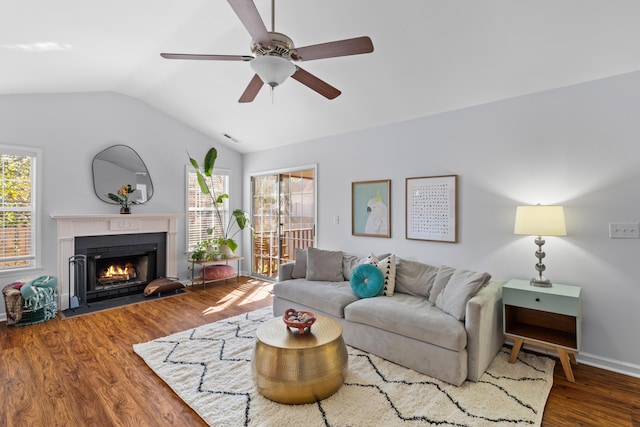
column 119, row 165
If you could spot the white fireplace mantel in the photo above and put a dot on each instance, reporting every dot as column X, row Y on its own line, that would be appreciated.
column 72, row 226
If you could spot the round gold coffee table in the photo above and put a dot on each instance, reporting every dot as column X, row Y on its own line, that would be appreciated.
column 295, row 368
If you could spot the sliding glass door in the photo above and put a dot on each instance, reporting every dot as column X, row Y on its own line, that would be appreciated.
column 284, row 216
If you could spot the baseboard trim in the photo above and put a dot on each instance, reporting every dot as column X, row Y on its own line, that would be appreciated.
column 609, row 364
column 605, row 363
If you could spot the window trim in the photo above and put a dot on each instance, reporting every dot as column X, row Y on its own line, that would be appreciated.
column 36, row 197
column 190, row 169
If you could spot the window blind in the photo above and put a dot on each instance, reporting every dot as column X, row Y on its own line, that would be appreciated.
column 200, row 210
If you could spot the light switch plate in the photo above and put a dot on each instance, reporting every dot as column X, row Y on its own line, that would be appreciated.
column 624, row 230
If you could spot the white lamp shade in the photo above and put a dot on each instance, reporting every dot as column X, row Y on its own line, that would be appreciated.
column 540, row 220
column 273, row 70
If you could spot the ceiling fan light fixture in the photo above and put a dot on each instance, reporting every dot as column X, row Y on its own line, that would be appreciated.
column 273, row 70
column 274, row 57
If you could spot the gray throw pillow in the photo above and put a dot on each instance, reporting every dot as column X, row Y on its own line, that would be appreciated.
column 349, row 263
column 415, row 278
column 300, row 267
column 461, row 287
column 442, row 278
column 324, row 265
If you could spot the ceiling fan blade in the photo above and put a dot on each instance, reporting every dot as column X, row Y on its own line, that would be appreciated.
column 207, row 57
column 355, row 46
column 250, row 18
column 314, row 83
column 252, row 90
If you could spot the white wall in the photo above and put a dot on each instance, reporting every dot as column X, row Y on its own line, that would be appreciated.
column 577, row 146
column 72, row 128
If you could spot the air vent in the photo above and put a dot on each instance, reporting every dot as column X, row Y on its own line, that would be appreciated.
column 226, row 135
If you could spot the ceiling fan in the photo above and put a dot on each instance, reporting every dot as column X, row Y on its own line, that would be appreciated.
column 274, row 54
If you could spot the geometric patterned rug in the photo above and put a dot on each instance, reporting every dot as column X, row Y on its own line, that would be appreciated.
column 209, row 368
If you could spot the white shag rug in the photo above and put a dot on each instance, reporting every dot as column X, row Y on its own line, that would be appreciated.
column 209, row 367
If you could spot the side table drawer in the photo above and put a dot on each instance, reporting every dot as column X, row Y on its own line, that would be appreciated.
column 541, row 301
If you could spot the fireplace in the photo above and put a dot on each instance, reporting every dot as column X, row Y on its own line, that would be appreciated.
column 73, row 226
column 119, row 265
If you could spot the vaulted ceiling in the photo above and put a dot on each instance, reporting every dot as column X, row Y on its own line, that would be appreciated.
column 430, row 56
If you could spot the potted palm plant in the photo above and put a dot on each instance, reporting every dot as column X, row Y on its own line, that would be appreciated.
column 238, row 220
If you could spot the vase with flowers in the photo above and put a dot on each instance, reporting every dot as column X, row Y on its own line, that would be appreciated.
column 122, row 198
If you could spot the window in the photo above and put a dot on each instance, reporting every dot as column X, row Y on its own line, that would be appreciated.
column 18, row 214
column 200, row 212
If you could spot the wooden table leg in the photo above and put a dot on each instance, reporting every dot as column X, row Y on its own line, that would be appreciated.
column 564, row 359
column 517, row 345
column 567, row 357
column 572, row 358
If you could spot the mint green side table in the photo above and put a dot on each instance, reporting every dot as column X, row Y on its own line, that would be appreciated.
column 545, row 317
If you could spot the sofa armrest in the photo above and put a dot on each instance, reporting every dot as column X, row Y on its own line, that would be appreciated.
column 483, row 322
column 285, row 271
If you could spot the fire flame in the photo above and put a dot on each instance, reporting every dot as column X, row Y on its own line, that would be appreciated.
column 113, row 270
column 119, row 271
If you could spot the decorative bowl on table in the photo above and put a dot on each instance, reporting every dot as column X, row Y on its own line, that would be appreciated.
column 300, row 320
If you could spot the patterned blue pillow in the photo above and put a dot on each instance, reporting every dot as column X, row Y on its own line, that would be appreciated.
column 366, row 281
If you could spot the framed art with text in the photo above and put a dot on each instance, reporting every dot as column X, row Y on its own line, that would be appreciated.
column 370, row 208
column 432, row 208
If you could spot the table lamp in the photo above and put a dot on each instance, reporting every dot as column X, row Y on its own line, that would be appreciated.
column 540, row 221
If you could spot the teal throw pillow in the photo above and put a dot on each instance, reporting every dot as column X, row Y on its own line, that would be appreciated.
column 366, row 281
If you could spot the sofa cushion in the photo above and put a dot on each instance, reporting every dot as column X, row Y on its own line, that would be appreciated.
column 324, row 265
column 300, row 266
column 410, row 316
column 414, row 278
column 462, row 285
column 442, row 278
column 367, row 281
column 387, row 267
column 329, row 297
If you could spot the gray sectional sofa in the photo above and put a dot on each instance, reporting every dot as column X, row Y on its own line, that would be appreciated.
column 435, row 321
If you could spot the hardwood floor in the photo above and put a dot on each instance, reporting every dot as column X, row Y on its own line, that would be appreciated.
column 597, row 398
column 82, row 371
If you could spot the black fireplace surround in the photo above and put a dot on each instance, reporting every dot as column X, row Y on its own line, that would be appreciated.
column 120, row 265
